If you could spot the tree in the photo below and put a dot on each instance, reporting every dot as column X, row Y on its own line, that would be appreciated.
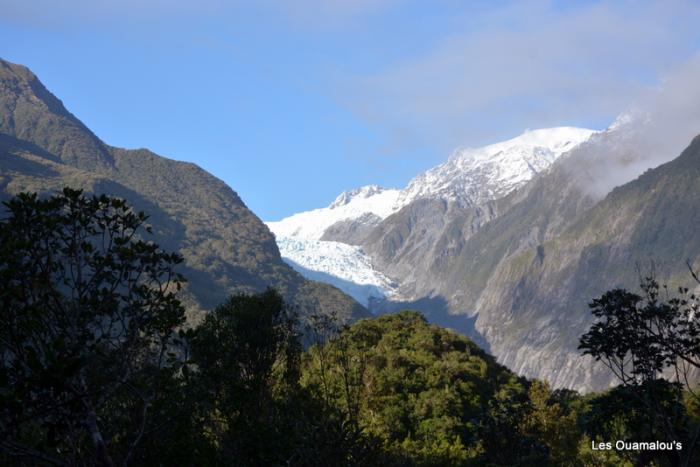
column 552, row 423
column 247, row 352
column 503, row 435
column 645, row 339
column 88, row 311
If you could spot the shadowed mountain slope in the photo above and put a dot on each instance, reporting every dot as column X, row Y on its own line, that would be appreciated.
column 43, row 147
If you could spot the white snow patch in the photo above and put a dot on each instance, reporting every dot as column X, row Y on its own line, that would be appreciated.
column 348, row 205
column 473, row 176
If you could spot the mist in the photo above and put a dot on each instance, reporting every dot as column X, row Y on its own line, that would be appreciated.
column 655, row 130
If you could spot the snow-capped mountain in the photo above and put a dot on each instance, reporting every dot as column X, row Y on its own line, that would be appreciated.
column 469, row 177
column 473, row 176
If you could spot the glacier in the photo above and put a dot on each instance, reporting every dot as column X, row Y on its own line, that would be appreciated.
column 341, row 265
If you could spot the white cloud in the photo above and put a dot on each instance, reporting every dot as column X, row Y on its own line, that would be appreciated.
column 528, row 65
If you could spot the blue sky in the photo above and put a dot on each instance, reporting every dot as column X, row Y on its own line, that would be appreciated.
column 292, row 101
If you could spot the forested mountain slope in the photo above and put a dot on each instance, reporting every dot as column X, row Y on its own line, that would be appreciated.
column 43, row 147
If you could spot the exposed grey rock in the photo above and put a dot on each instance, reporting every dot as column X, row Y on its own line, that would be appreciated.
column 352, row 231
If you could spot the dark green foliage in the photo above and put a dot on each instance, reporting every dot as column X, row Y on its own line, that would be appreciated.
column 645, row 339
column 94, row 372
column 247, row 357
column 87, row 314
column 425, row 392
column 624, row 413
column 240, row 402
column 507, row 433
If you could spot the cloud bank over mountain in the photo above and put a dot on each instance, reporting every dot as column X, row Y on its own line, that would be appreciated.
column 657, row 127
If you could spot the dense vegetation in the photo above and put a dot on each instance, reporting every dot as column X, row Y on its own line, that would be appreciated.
column 97, row 369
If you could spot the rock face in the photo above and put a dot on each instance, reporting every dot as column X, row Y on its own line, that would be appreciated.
column 226, row 247
column 352, row 231
column 440, row 209
column 444, row 207
column 533, row 307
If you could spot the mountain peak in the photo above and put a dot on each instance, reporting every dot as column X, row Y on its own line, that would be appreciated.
column 476, row 175
column 557, row 140
column 19, row 81
column 9, row 68
column 470, row 176
column 325, row 243
column 29, row 112
column 347, row 197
